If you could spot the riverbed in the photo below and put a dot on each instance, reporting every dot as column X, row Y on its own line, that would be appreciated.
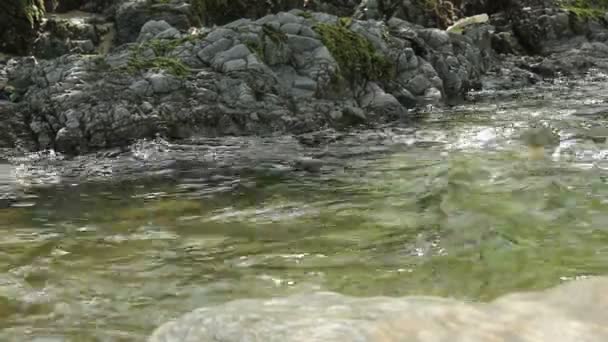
column 108, row 247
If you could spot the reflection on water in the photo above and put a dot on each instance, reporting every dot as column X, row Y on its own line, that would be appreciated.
column 453, row 207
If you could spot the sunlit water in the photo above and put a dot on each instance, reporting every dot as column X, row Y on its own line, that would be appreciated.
column 451, row 206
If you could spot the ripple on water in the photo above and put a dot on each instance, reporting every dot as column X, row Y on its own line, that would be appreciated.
column 451, row 207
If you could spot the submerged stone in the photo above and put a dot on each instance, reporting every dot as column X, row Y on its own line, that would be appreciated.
column 575, row 311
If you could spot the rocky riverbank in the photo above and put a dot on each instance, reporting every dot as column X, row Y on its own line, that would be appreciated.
column 140, row 69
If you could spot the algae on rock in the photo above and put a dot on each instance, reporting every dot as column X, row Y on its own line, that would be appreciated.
column 586, row 8
column 161, row 60
column 357, row 59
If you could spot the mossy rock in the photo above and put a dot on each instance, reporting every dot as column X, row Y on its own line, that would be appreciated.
column 172, row 65
column 162, row 59
column 586, row 8
column 357, row 59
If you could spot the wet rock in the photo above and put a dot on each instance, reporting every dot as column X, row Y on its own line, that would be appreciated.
column 132, row 15
column 506, row 43
column 296, row 74
column 354, row 114
column 575, row 311
column 162, row 83
column 78, row 34
column 308, row 164
column 151, row 29
column 381, row 103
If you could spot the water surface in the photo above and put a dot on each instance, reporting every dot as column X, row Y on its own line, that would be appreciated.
column 450, row 206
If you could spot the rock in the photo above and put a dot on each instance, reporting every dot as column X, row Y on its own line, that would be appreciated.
column 432, row 96
column 505, row 42
column 380, row 103
column 131, row 16
column 163, row 83
column 354, row 114
column 461, row 24
column 297, row 71
column 60, row 36
column 418, row 85
column 210, row 51
column 575, row 311
column 236, row 52
column 151, row 29
column 308, row 164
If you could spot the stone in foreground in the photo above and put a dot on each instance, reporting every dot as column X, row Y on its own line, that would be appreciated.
column 573, row 312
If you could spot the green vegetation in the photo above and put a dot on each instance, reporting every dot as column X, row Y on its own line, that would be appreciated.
column 305, row 15
column 357, row 59
column 345, row 21
column 256, row 48
column 275, row 36
column 161, row 60
column 172, row 65
column 586, row 8
column 33, row 10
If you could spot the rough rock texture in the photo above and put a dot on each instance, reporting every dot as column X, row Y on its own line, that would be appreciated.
column 61, row 36
column 97, row 6
column 287, row 72
column 132, row 15
column 576, row 311
column 539, row 37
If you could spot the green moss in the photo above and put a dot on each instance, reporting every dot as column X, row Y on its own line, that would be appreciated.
column 171, row 65
column 586, row 8
column 255, row 48
column 273, row 34
column 33, row 10
column 305, row 15
column 161, row 60
column 275, row 37
column 345, row 21
column 585, row 12
column 356, row 57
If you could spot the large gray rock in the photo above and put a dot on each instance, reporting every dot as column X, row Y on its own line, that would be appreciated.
column 131, row 16
column 153, row 28
column 79, row 34
column 573, row 312
column 283, row 68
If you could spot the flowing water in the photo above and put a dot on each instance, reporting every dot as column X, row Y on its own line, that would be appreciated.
column 452, row 206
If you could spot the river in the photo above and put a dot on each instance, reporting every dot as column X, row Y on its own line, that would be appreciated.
column 450, row 205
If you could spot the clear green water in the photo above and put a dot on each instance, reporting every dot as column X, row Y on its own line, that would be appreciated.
column 455, row 208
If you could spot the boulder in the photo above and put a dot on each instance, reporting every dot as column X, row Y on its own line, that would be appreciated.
column 572, row 312
column 132, row 15
column 296, row 72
